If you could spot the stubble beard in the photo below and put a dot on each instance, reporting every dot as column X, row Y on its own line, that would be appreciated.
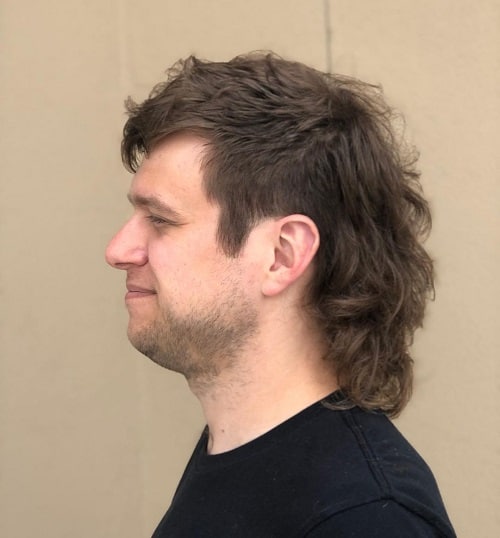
column 201, row 343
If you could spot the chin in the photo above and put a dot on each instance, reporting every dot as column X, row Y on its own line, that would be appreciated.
column 137, row 333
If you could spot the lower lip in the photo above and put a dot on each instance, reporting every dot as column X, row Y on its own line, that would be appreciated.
column 138, row 295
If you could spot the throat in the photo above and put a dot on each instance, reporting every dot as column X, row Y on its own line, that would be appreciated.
column 233, row 422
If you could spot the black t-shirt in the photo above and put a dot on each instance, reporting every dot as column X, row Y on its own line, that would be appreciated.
column 322, row 473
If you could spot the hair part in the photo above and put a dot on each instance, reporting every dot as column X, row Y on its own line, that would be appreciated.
column 284, row 138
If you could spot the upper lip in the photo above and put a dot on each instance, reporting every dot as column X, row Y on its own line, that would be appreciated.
column 140, row 289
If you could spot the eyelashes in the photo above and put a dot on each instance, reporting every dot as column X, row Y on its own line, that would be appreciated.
column 156, row 220
column 159, row 221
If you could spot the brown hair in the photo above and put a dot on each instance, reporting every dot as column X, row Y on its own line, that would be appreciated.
column 284, row 138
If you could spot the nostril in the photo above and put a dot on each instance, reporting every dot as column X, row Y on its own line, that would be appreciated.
column 128, row 247
column 121, row 255
column 116, row 252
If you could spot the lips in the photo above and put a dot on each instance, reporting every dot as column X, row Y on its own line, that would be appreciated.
column 135, row 291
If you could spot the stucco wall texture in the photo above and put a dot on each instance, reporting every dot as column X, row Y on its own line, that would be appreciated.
column 93, row 436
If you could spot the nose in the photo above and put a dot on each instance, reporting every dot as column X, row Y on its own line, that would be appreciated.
column 128, row 247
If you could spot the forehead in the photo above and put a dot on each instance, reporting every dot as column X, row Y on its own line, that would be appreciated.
column 173, row 173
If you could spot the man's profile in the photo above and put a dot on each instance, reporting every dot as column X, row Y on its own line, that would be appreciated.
column 274, row 259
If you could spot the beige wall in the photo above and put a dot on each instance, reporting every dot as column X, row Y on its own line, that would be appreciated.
column 92, row 436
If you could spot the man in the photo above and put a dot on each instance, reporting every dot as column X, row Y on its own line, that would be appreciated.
column 274, row 259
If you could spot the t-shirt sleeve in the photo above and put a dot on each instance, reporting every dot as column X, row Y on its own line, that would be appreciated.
column 381, row 519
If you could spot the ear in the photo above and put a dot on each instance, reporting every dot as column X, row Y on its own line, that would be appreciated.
column 296, row 243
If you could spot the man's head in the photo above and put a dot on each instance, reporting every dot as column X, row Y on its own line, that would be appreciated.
column 280, row 139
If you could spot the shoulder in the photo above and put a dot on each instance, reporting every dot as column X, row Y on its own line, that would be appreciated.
column 379, row 519
column 363, row 464
column 371, row 446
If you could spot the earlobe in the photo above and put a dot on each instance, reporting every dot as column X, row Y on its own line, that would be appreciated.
column 297, row 241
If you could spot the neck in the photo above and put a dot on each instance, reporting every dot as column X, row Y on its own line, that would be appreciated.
column 263, row 389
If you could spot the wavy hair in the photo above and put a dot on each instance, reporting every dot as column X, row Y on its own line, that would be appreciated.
column 284, row 138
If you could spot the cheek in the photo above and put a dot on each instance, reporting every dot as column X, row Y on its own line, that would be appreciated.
column 165, row 255
column 187, row 262
column 178, row 272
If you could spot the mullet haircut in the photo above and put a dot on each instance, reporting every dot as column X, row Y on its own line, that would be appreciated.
column 283, row 138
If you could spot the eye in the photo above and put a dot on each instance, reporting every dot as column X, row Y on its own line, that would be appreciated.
column 157, row 221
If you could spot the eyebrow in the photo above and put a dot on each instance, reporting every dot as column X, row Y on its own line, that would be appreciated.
column 154, row 203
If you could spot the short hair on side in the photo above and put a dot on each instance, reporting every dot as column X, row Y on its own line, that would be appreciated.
column 284, row 138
